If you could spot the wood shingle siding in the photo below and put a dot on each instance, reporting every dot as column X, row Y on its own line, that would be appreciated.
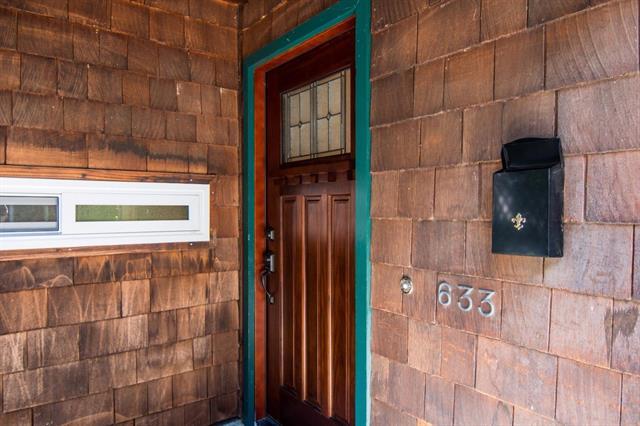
column 116, row 88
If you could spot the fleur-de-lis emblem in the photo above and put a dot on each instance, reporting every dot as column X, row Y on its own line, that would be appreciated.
column 518, row 221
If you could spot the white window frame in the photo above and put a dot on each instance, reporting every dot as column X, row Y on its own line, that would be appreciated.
column 82, row 234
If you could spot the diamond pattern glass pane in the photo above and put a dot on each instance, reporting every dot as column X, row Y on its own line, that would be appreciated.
column 316, row 119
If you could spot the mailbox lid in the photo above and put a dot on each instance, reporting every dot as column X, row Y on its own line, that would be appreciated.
column 521, row 205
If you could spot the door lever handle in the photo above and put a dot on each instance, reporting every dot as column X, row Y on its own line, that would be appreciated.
column 263, row 278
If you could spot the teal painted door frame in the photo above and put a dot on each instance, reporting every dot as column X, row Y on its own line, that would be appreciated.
column 328, row 18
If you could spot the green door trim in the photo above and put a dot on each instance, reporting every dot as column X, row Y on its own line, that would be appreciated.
column 341, row 11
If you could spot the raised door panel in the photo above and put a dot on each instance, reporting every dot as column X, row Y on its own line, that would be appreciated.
column 341, row 266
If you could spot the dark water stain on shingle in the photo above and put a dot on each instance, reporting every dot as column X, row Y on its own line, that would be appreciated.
column 608, row 331
column 625, row 321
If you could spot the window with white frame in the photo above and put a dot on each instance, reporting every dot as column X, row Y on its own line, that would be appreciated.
column 52, row 213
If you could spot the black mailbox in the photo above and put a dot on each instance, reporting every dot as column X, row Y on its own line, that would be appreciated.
column 527, row 199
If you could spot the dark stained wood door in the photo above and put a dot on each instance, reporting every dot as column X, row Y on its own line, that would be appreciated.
column 310, row 206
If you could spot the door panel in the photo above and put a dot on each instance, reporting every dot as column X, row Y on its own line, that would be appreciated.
column 313, row 312
column 290, row 261
column 342, row 308
column 315, row 276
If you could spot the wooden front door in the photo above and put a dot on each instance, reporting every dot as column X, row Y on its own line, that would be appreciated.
column 310, row 207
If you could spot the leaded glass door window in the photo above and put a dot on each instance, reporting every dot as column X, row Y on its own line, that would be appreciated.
column 316, row 119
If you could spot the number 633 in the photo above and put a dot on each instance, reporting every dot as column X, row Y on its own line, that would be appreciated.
column 465, row 303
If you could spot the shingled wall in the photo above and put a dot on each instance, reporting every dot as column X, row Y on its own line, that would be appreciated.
column 122, row 86
column 452, row 81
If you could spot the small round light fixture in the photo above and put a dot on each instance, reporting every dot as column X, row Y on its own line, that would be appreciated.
column 406, row 285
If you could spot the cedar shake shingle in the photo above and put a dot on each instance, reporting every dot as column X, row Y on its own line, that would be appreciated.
column 92, row 13
column 222, row 317
column 130, row 402
column 130, row 18
column 525, row 315
column 600, row 117
column 10, row 76
column 190, row 386
column 390, row 239
column 438, row 400
column 24, row 310
column 8, row 28
column 29, row 274
column 534, row 385
column 474, row 408
column 389, row 335
column 482, row 132
column 451, row 27
column 519, row 64
column 530, row 116
column 597, row 260
column 425, row 347
column 428, row 89
column 113, row 50
column 441, row 139
column 457, row 193
column 75, row 304
column 469, row 77
column 162, row 327
column 396, row 146
column 37, row 111
column 38, row 74
column 384, row 287
column 578, row 336
column 12, row 352
column 167, row 28
column 72, row 80
column 415, row 193
column 44, row 36
column 178, row 292
column 395, row 48
column 165, row 360
column 501, row 17
column 438, row 245
column 613, row 187
column 630, row 399
column 626, row 337
column 542, row 10
column 191, row 322
column 113, row 336
column 458, row 357
column 94, row 409
column 407, row 388
column 587, row 395
column 52, row 346
column 45, row 385
column 392, row 98
column 600, row 43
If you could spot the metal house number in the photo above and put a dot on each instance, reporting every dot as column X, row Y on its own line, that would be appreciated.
column 465, row 303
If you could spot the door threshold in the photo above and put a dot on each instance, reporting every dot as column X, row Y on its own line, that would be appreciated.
column 268, row 421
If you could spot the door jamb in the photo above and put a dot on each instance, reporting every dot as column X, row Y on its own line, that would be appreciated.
column 307, row 35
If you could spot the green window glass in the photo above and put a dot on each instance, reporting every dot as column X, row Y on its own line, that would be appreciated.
column 121, row 213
